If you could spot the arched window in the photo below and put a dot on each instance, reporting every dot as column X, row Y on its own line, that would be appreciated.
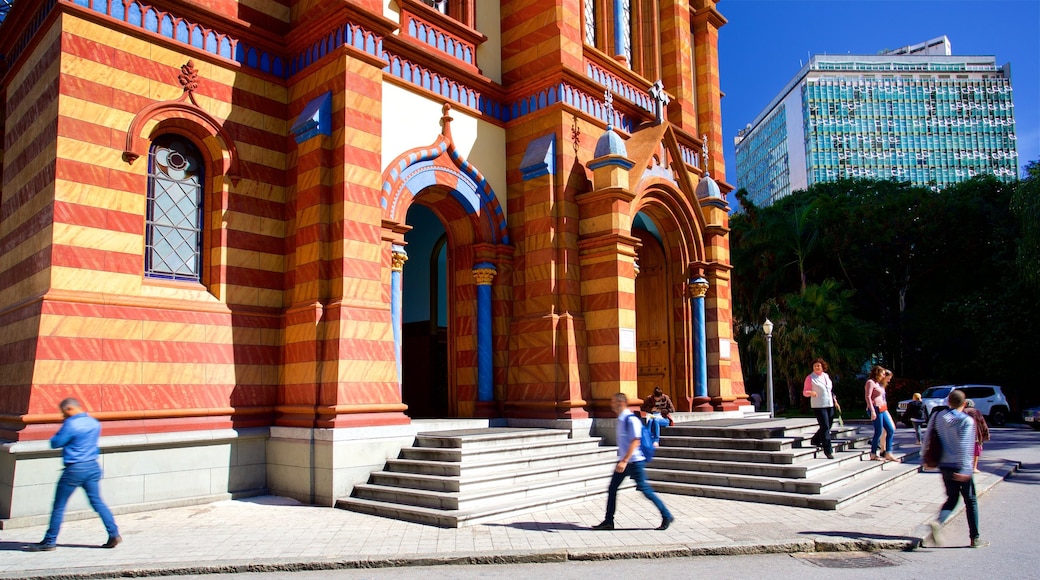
column 173, row 227
column 628, row 30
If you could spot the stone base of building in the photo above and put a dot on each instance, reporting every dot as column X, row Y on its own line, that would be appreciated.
column 141, row 473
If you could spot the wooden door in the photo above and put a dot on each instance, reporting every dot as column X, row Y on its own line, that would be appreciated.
column 653, row 308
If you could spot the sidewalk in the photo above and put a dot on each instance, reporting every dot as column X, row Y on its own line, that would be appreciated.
column 277, row 534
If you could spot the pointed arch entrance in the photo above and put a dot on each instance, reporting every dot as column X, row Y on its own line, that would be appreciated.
column 669, row 256
column 424, row 316
column 441, row 212
column 654, row 328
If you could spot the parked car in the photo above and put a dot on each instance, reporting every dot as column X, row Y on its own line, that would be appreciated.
column 1032, row 417
column 989, row 400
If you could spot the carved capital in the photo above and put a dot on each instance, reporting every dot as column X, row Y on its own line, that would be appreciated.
column 397, row 260
column 484, row 276
column 698, row 288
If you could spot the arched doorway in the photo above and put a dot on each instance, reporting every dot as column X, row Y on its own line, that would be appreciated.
column 461, row 207
column 424, row 317
column 653, row 311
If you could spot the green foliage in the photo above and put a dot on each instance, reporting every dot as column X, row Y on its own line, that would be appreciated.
column 939, row 286
column 1025, row 203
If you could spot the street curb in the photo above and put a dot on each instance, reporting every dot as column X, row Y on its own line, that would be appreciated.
column 1006, row 468
column 911, row 542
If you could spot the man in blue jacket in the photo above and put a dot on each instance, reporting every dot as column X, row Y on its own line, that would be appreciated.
column 78, row 439
column 956, row 432
column 630, row 464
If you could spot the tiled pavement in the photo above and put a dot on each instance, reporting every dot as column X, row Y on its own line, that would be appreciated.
column 272, row 533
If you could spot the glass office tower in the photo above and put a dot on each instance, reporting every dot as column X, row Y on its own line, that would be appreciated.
column 914, row 114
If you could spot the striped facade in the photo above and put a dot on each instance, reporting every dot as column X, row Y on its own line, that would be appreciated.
column 322, row 127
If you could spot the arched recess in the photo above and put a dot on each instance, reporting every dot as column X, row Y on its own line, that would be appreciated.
column 438, row 178
column 678, row 229
column 185, row 118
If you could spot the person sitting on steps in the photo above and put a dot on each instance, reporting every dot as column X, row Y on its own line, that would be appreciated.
column 658, row 408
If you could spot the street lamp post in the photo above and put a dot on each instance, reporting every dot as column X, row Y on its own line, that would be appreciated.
column 767, row 327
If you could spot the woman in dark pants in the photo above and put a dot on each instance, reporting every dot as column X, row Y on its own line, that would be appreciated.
column 820, row 390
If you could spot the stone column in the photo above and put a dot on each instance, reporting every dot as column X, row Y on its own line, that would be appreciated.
column 484, row 273
column 397, row 259
column 698, row 288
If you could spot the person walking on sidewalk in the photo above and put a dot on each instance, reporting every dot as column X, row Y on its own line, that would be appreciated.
column 981, row 431
column 78, row 440
column 630, row 463
column 956, row 433
column 820, row 390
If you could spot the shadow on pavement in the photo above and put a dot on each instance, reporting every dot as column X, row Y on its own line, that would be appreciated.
column 546, row 526
column 21, row 546
column 1028, row 473
column 13, row 546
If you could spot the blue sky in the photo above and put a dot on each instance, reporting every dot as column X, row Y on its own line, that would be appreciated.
column 761, row 46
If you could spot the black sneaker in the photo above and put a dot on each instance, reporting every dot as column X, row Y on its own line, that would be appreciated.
column 40, row 547
column 604, row 525
column 667, row 521
column 112, row 542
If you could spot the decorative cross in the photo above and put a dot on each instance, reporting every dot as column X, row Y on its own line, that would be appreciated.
column 704, row 153
column 660, row 99
column 608, row 100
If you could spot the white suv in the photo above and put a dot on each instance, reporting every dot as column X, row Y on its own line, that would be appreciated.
column 988, row 399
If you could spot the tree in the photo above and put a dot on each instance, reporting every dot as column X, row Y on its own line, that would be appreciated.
column 943, row 282
column 1025, row 204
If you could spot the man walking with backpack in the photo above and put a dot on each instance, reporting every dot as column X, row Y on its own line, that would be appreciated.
column 956, row 433
column 631, row 463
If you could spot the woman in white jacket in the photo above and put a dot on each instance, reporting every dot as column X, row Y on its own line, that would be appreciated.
column 820, row 390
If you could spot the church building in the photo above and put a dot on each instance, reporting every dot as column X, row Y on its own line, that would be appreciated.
column 265, row 242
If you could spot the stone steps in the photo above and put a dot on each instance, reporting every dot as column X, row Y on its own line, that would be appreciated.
column 771, row 461
column 464, row 477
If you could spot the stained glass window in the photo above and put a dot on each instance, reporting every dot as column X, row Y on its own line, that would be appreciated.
column 439, row 5
column 173, row 232
column 590, row 22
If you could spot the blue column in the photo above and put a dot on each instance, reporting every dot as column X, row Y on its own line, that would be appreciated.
column 484, row 272
column 397, row 259
column 698, row 288
column 621, row 27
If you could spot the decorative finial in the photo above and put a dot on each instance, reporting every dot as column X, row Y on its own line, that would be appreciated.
column 575, row 134
column 704, row 154
column 608, row 100
column 661, row 100
column 189, row 77
column 446, row 120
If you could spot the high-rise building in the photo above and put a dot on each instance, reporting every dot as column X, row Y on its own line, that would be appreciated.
column 916, row 114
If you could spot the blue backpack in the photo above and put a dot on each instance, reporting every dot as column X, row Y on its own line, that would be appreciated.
column 646, row 442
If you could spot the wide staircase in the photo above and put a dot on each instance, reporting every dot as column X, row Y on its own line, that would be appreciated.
column 772, row 461
column 464, row 477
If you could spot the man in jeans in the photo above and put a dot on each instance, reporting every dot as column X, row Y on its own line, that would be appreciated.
column 630, row 463
column 956, row 432
column 78, row 438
